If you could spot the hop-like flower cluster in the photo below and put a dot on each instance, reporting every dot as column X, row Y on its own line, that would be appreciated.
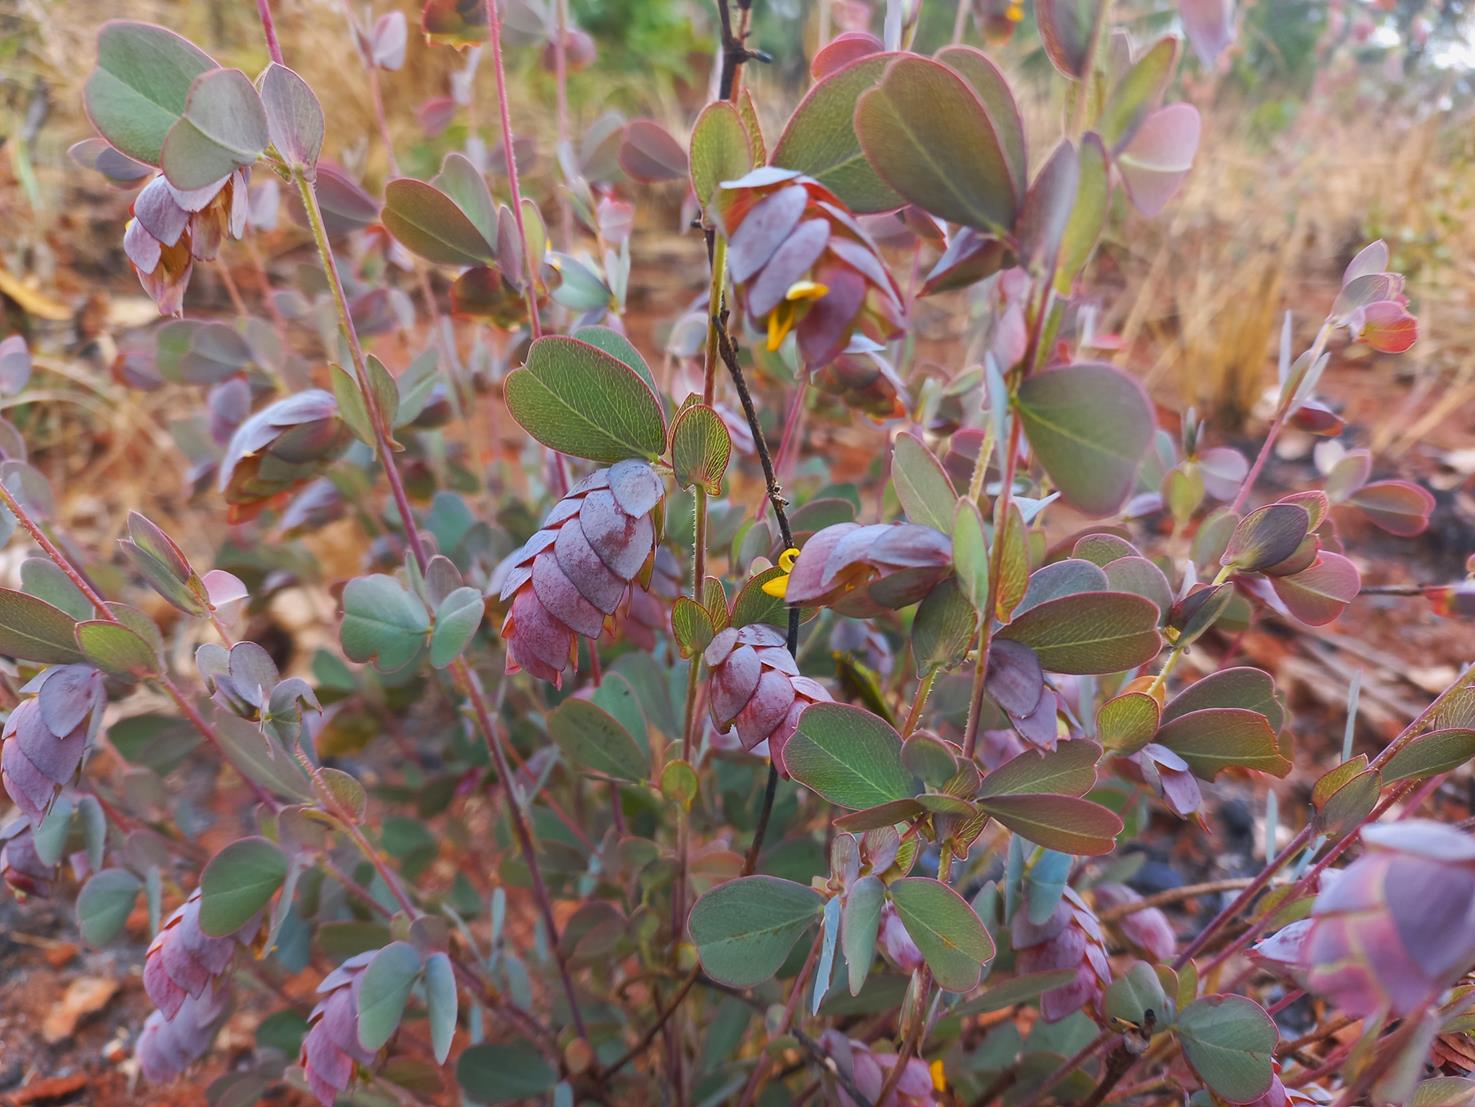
column 283, row 445
column 868, row 1071
column 331, row 1046
column 21, row 866
column 864, row 570
column 47, row 736
column 1397, row 926
column 575, row 572
column 171, row 229
column 1070, row 938
column 801, row 262
column 183, row 961
column 184, row 975
column 895, row 943
column 168, row 1046
column 753, row 684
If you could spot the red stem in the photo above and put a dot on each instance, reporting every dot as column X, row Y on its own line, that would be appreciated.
column 269, row 28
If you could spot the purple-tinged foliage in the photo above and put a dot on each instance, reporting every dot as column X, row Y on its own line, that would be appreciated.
column 1397, row 926
column 1145, row 929
column 869, row 1070
column 171, row 229
column 282, row 446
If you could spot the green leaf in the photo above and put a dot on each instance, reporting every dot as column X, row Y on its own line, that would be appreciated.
column 1090, row 632
column 1266, row 537
column 105, row 903
column 33, row 630
column 382, row 622
column 848, row 756
column 253, row 756
column 1064, row 823
column 223, row 129
column 156, row 741
column 1218, row 738
column 42, row 579
column 456, row 621
column 1083, row 228
column 1068, row 769
column 504, row 1072
column 923, row 488
column 970, row 553
column 1138, row 90
column 138, row 90
column 744, row 929
column 700, row 448
column 949, row 933
column 1128, row 722
column 824, row 970
column 926, row 133
column 441, row 1003
column 991, row 87
column 1429, row 754
column 294, row 118
column 592, row 739
column 691, row 626
column 117, row 649
column 820, row 138
column 1089, row 425
column 573, row 397
column 383, row 992
column 1137, row 999
column 720, row 149
column 1229, row 1041
column 860, row 922
column 943, row 628
column 429, row 223
column 237, row 883
column 618, row 347
column 1067, row 31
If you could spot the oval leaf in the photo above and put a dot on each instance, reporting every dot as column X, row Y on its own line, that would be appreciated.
column 1089, row 632
column 744, row 929
column 949, row 933
column 848, row 756
column 237, row 883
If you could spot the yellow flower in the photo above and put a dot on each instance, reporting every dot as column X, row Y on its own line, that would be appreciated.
column 778, row 587
column 1014, row 13
column 781, row 319
column 939, row 1081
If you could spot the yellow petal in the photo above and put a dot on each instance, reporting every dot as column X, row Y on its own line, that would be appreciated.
column 787, row 558
column 780, row 322
column 939, row 1081
column 806, row 290
column 778, row 587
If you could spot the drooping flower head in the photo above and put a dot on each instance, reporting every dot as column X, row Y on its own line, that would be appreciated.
column 1070, row 938
column 577, row 570
column 48, row 735
column 331, row 1046
column 802, row 263
column 171, row 229
column 864, row 570
column 282, row 446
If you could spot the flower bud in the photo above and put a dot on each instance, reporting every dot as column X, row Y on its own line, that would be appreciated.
column 279, row 448
column 171, row 229
column 801, row 262
column 575, row 572
column 863, row 570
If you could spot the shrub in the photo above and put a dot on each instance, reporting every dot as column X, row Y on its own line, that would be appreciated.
column 659, row 855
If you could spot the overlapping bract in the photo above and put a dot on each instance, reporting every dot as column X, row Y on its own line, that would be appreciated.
column 185, row 975
column 183, row 961
column 801, row 262
column 648, row 616
column 863, row 570
column 171, row 229
column 1070, row 938
column 869, row 1072
column 48, row 735
column 1145, row 928
column 283, row 445
column 754, row 685
column 577, row 570
column 167, row 1046
column 1397, row 926
column 863, row 380
column 331, row 1047
column 21, row 866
